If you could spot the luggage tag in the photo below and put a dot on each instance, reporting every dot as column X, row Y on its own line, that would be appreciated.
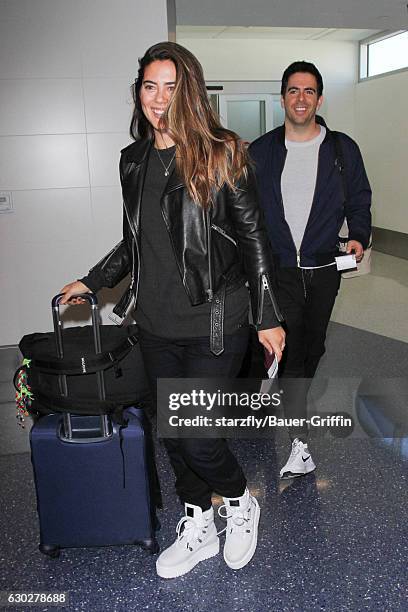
column 346, row 262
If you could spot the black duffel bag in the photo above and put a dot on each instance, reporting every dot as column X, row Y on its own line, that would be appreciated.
column 120, row 360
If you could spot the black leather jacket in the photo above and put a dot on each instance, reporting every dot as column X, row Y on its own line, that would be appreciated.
column 216, row 250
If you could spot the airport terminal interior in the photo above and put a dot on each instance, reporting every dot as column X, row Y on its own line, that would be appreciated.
column 335, row 539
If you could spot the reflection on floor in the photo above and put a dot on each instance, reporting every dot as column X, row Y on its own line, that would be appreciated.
column 334, row 540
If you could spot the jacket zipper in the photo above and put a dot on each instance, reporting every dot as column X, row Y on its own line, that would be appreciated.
column 265, row 287
column 290, row 232
column 261, row 301
column 224, row 233
column 307, row 222
column 174, row 251
column 133, row 268
column 132, row 229
column 210, row 292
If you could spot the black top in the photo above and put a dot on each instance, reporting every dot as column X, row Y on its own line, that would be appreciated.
column 163, row 307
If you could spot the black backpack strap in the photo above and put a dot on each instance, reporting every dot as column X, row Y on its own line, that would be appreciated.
column 88, row 365
column 72, row 404
column 51, row 404
column 339, row 161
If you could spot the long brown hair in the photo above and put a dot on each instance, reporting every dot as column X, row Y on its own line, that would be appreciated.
column 208, row 156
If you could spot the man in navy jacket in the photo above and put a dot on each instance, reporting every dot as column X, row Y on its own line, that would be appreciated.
column 305, row 199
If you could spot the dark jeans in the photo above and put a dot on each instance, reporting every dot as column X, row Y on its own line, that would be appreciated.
column 306, row 298
column 203, row 465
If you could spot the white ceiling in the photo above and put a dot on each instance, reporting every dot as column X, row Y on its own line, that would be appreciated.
column 357, row 14
column 223, row 32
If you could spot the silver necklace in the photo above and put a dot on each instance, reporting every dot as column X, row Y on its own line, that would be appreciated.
column 166, row 168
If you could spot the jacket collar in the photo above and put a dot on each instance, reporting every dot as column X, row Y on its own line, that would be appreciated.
column 138, row 151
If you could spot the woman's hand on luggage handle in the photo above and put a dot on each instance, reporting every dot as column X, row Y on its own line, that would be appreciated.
column 72, row 289
column 273, row 340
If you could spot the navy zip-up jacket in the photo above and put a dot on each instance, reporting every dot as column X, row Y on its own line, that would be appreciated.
column 330, row 202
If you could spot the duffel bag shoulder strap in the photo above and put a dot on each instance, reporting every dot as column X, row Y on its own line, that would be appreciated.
column 47, row 402
column 86, row 365
column 339, row 162
column 74, row 405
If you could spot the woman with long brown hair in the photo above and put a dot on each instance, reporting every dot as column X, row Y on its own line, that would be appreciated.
column 192, row 237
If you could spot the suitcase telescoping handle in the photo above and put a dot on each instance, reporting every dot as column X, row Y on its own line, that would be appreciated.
column 67, row 423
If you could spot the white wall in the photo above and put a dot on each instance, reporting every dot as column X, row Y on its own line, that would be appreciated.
column 65, row 73
column 382, row 128
column 258, row 60
column 373, row 112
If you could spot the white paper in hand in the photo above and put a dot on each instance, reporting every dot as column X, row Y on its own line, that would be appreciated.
column 346, row 262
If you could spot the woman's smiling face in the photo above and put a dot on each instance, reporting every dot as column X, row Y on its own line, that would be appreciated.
column 158, row 84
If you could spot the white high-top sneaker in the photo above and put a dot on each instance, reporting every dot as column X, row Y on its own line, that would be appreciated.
column 197, row 540
column 300, row 461
column 242, row 514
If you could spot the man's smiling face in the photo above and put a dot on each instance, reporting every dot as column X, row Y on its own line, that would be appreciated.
column 301, row 100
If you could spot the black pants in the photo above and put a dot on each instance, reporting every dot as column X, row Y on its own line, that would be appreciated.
column 203, row 465
column 306, row 298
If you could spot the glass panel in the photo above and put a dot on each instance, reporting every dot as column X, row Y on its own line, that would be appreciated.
column 247, row 118
column 278, row 112
column 388, row 54
column 214, row 102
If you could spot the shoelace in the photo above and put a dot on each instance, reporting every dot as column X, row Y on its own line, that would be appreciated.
column 193, row 531
column 238, row 520
column 295, row 449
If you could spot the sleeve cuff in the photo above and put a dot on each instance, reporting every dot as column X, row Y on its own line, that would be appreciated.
column 92, row 283
column 360, row 238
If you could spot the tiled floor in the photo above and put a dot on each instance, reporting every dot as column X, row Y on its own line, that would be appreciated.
column 335, row 540
column 377, row 302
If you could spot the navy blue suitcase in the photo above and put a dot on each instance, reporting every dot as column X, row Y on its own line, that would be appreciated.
column 92, row 491
column 91, row 474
